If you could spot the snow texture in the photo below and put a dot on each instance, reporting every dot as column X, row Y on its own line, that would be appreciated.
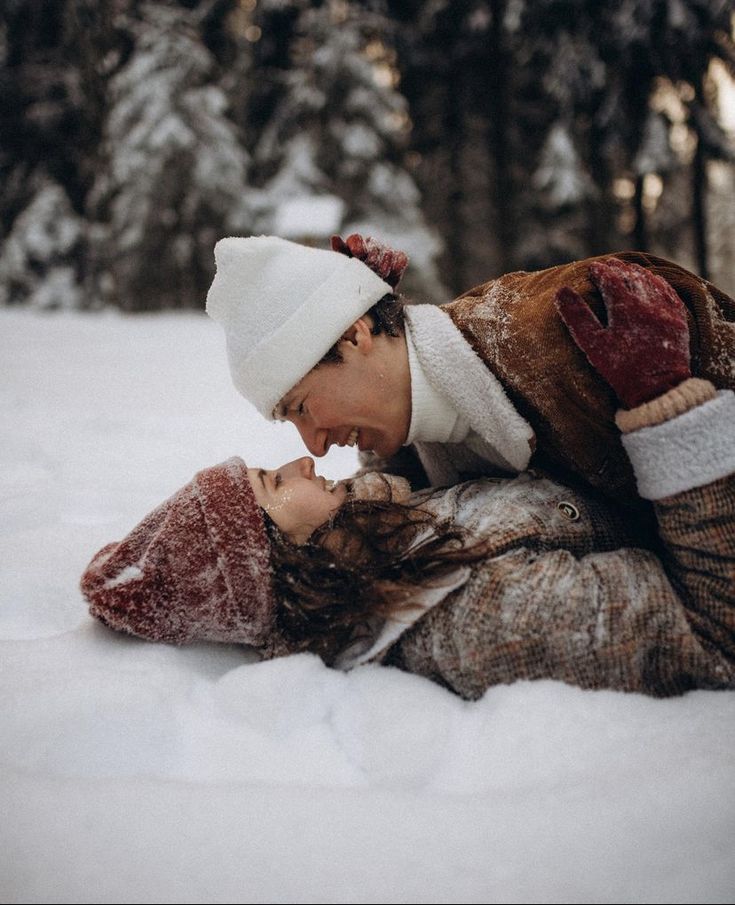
column 139, row 772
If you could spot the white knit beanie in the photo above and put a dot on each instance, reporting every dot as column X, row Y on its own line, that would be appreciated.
column 283, row 306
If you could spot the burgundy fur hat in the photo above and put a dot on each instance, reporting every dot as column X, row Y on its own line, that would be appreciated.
column 197, row 568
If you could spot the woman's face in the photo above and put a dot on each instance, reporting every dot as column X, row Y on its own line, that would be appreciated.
column 296, row 498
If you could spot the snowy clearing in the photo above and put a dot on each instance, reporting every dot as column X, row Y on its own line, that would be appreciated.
column 145, row 773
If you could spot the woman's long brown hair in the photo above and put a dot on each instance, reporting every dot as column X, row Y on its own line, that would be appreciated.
column 367, row 563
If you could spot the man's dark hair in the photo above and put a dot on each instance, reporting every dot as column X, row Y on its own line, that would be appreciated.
column 387, row 317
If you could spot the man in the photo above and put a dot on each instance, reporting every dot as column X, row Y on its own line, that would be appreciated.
column 491, row 382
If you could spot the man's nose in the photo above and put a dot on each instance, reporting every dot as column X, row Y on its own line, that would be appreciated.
column 315, row 439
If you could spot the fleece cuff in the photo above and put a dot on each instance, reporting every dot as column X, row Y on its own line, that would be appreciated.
column 690, row 450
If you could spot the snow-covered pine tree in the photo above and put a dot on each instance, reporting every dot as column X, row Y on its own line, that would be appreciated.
column 555, row 201
column 598, row 67
column 174, row 174
column 39, row 259
column 565, row 208
column 339, row 131
column 669, row 42
column 44, row 132
column 441, row 48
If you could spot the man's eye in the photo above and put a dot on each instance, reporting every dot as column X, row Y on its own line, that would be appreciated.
column 278, row 480
column 300, row 410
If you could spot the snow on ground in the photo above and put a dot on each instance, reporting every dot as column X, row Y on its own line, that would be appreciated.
column 135, row 772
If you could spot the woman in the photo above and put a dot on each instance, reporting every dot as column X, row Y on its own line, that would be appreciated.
column 486, row 582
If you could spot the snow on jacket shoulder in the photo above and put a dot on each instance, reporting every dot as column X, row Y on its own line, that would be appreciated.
column 512, row 325
column 539, row 383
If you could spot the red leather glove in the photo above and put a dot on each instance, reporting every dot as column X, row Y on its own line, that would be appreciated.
column 644, row 350
column 389, row 264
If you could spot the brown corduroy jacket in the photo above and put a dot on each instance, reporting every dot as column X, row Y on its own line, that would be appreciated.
column 511, row 323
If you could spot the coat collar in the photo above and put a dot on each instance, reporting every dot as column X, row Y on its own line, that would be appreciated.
column 454, row 368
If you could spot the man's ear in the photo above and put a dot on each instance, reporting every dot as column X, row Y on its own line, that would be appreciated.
column 359, row 336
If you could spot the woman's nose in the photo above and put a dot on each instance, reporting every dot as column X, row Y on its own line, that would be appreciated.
column 302, row 468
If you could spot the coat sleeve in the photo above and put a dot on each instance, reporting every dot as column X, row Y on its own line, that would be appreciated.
column 615, row 619
column 605, row 620
column 685, row 464
column 698, row 531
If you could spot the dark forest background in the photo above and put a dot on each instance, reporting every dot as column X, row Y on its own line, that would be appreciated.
column 481, row 136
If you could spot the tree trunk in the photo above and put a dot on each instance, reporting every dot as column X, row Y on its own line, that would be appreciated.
column 455, row 137
column 699, row 210
column 500, row 69
column 640, row 232
column 602, row 209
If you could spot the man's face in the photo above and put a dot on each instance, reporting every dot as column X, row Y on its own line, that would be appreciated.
column 364, row 400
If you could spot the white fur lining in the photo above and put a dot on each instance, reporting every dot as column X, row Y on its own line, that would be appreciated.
column 691, row 450
column 452, row 365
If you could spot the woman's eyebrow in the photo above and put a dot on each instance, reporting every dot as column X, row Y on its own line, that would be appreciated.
column 261, row 475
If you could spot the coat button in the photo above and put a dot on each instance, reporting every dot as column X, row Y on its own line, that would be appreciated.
column 569, row 510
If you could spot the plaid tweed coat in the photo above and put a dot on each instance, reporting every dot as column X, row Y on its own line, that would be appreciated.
column 563, row 594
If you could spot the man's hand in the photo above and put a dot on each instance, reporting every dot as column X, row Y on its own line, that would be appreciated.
column 381, row 259
column 644, row 350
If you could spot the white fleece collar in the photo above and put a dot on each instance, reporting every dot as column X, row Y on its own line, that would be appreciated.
column 455, row 370
column 433, row 417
